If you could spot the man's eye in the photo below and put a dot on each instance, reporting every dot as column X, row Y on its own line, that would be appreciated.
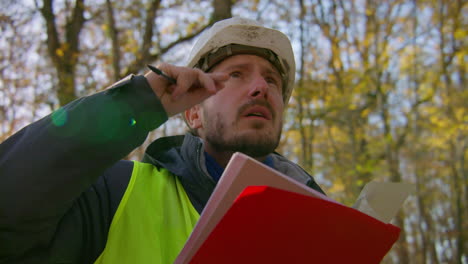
column 273, row 81
column 235, row 74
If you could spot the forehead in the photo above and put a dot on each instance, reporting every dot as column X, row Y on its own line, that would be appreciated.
column 245, row 60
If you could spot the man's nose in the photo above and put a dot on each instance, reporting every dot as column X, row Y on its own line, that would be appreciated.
column 259, row 87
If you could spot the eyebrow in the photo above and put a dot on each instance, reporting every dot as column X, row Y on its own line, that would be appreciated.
column 275, row 72
column 269, row 70
column 239, row 65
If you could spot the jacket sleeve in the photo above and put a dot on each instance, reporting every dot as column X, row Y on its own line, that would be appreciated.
column 49, row 171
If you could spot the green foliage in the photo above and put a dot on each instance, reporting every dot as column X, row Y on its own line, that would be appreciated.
column 383, row 98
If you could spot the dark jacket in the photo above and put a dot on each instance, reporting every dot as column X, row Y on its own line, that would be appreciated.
column 62, row 177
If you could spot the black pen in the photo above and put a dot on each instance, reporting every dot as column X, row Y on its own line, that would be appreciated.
column 161, row 73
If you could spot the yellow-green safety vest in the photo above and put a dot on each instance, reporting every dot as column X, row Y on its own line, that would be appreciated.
column 153, row 220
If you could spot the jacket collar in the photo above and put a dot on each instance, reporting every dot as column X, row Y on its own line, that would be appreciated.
column 184, row 157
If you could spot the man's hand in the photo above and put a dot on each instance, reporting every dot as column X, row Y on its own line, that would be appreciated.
column 193, row 86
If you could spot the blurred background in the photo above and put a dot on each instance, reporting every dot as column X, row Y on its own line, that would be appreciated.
column 380, row 92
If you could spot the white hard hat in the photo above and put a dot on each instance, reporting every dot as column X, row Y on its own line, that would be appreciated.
column 245, row 36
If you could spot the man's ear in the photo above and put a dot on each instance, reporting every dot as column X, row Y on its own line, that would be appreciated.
column 193, row 116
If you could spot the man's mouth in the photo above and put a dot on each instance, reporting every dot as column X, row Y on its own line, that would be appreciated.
column 258, row 112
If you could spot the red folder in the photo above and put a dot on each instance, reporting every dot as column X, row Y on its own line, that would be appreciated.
column 269, row 225
column 286, row 222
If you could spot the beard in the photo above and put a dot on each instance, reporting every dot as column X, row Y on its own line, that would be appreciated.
column 253, row 144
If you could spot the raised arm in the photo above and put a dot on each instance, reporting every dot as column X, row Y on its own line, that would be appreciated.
column 48, row 165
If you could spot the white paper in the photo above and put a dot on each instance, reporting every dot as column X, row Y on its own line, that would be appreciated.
column 382, row 200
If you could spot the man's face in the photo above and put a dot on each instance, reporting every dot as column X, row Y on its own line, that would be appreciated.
column 245, row 116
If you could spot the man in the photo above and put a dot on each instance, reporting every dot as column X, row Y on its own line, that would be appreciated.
column 65, row 196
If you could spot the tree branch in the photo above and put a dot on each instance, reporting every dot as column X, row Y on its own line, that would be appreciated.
column 139, row 64
column 222, row 10
column 149, row 28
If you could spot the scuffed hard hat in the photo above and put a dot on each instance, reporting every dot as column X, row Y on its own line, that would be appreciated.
column 245, row 36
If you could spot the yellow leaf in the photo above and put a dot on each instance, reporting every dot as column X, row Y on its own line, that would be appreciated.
column 460, row 33
column 337, row 187
column 59, row 52
column 365, row 113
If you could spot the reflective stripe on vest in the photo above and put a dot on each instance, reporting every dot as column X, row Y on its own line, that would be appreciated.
column 153, row 221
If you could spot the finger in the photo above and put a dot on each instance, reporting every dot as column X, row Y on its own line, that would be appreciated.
column 186, row 79
column 207, row 82
column 186, row 100
column 219, row 79
column 219, row 76
column 195, row 80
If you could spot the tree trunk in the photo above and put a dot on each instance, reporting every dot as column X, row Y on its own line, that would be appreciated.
column 114, row 36
column 65, row 54
column 300, row 98
column 402, row 244
column 222, row 10
column 66, row 82
column 449, row 18
column 393, row 163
